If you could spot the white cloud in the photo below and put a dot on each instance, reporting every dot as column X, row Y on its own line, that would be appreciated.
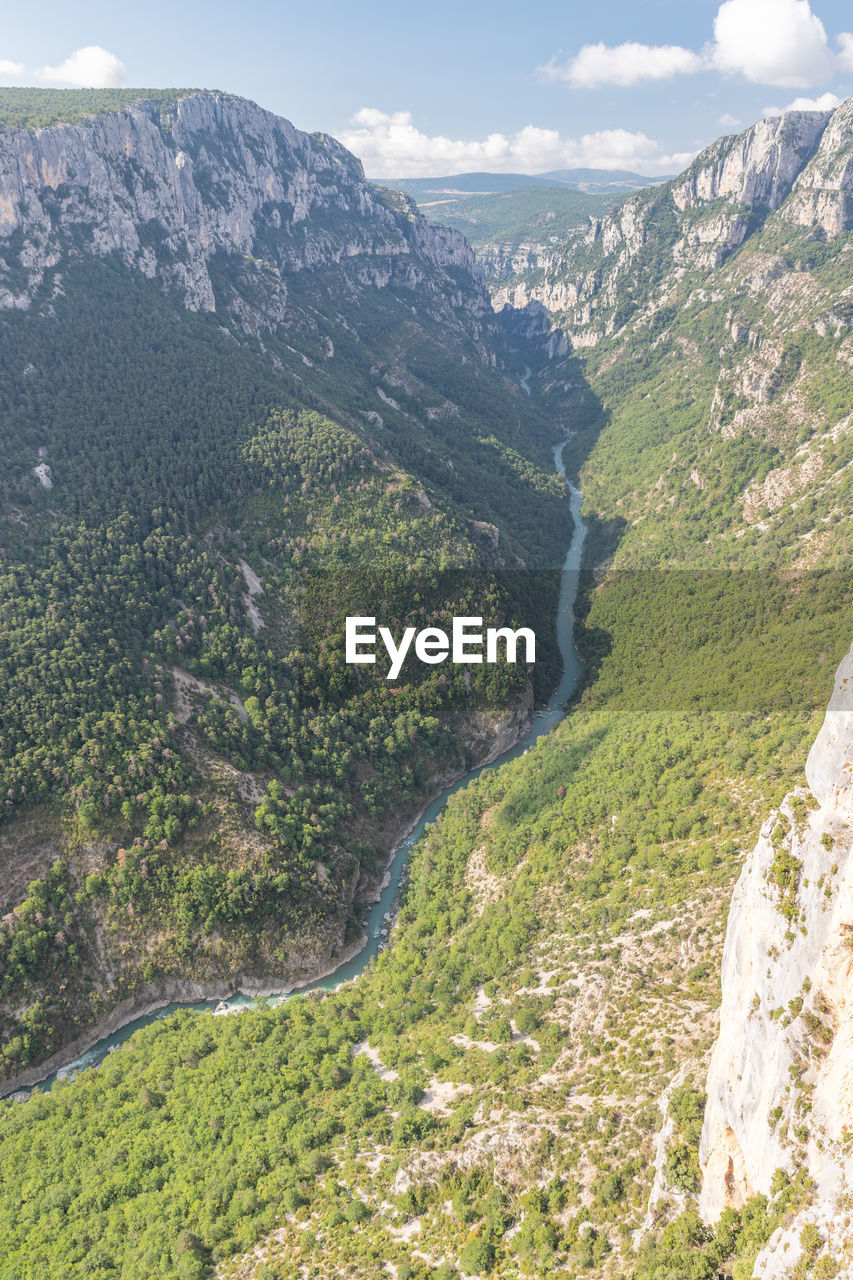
column 826, row 102
column 91, row 68
column 845, row 57
column 623, row 64
column 8, row 68
column 767, row 41
column 390, row 146
column 728, row 121
column 772, row 42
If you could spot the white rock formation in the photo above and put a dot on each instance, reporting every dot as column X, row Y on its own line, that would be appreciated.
column 821, row 195
column 797, row 167
column 757, row 167
column 168, row 189
column 780, row 1082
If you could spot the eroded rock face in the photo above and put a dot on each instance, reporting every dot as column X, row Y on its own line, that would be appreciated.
column 167, row 191
column 754, row 168
column 829, row 768
column 501, row 262
column 780, row 1082
column 823, row 193
column 797, row 168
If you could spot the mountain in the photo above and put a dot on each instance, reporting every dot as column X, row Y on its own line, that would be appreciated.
column 700, row 218
column 713, row 317
column 516, row 232
column 592, row 181
column 603, row 179
column 707, row 351
column 245, row 393
column 168, row 187
column 537, row 1075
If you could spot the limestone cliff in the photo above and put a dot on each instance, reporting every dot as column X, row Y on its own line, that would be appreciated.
column 755, row 169
column 501, row 262
column 780, row 1082
column 170, row 188
column 822, row 193
column 627, row 265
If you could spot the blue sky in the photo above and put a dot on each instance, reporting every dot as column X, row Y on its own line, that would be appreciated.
column 453, row 87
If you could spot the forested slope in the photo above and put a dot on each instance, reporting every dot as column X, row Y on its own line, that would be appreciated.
column 516, row 1085
column 243, row 394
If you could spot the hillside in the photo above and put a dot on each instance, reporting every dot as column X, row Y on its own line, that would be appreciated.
column 711, row 316
column 517, row 222
column 224, row 413
column 517, row 1085
column 515, row 232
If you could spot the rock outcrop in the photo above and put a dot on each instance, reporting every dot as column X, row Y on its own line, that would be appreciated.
column 780, row 1083
column 796, row 168
column 755, row 169
column 823, row 193
column 168, row 189
column 502, row 262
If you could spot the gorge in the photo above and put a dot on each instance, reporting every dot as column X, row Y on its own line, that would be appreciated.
column 535, row 1076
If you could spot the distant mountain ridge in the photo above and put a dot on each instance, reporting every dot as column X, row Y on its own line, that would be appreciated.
column 588, row 180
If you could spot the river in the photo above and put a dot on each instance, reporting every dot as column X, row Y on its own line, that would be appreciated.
column 381, row 912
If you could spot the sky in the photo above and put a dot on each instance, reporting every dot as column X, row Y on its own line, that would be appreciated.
column 423, row 91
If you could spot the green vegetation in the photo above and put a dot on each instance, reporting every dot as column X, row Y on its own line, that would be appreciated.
column 216, row 779
column 33, row 108
column 630, row 806
column 488, row 1095
column 525, row 215
column 712, row 411
column 685, row 495
column 687, row 1108
column 687, row 1247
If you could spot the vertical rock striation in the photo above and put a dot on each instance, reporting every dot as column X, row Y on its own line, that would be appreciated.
column 780, row 1082
column 794, row 171
column 169, row 188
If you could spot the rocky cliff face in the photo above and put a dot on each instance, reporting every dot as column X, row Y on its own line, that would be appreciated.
column 780, row 1082
column 167, row 190
column 798, row 164
column 121, row 235
column 717, row 309
column 755, row 169
column 502, row 262
column 823, row 193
